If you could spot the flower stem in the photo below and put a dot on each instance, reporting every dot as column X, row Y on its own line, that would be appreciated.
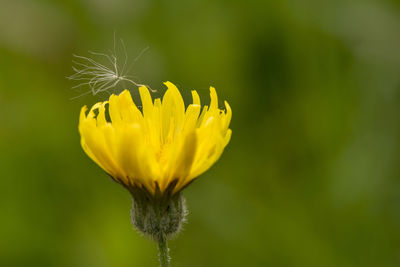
column 163, row 252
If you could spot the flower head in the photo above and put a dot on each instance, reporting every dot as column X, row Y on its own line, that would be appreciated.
column 161, row 147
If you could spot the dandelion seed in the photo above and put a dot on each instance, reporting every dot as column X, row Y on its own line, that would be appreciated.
column 100, row 77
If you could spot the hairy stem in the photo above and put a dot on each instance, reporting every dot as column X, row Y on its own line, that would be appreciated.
column 163, row 252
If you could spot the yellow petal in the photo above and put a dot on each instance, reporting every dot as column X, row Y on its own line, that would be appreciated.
column 172, row 107
column 227, row 137
column 185, row 160
column 191, row 116
column 214, row 99
column 228, row 116
column 128, row 110
column 94, row 140
column 202, row 115
column 147, row 102
column 101, row 117
column 196, row 98
column 130, row 150
column 114, row 110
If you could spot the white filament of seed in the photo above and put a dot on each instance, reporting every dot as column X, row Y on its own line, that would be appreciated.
column 101, row 77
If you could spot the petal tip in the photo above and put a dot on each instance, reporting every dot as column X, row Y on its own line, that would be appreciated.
column 168, row 83
column 227, row 106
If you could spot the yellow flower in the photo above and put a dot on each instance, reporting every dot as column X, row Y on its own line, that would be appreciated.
column 159, row 147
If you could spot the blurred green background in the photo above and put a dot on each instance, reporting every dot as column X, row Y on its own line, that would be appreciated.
column 310, row 178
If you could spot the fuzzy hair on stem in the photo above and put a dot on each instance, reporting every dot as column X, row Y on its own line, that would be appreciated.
column 100, row 77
